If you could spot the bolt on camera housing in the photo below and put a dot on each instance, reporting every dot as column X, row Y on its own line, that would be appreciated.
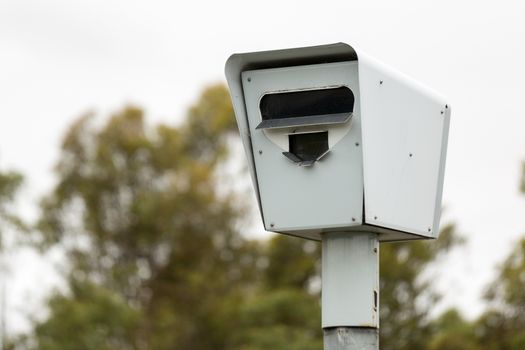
column 336, row 141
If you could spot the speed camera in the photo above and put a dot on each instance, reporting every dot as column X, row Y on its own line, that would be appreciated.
column 337, row 141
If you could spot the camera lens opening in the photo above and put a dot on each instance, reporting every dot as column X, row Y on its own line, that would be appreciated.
column 306, row 107
column 308, row 148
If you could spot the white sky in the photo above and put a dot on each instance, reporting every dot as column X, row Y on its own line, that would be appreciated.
column 59, row 58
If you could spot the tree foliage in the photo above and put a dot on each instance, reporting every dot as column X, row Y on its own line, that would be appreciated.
column 139, row 215
column 90, row 317
column 502, row 325
column 10, row 183
column 452, row 332
column 157, row 260
column 406, row 298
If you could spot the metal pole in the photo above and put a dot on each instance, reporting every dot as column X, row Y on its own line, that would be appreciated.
column 346, row 338
column 350, row 295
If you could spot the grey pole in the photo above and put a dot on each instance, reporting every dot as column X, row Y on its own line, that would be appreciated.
column 350, row 291
column 346, row 338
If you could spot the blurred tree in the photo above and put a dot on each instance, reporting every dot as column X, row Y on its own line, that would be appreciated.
column 453, row 333
column 293, row 269
column 492, row 330
column 281, row 319
column 10, row 183
column 147, row 232
column 89, row 317
column 509, row 288
column 502, row 326
column 406, row 297
column 156, row 260
column 291, row 263
column 285, row 312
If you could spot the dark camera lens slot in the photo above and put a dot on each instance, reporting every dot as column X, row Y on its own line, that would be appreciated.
column 309, row 147
column 307, row 103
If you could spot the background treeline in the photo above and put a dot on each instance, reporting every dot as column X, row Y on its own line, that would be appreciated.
column 156, row 256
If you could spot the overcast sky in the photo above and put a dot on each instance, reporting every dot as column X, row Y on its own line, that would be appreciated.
column 60, row 58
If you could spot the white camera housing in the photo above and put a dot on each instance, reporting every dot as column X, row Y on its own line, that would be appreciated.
column 336, row 141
